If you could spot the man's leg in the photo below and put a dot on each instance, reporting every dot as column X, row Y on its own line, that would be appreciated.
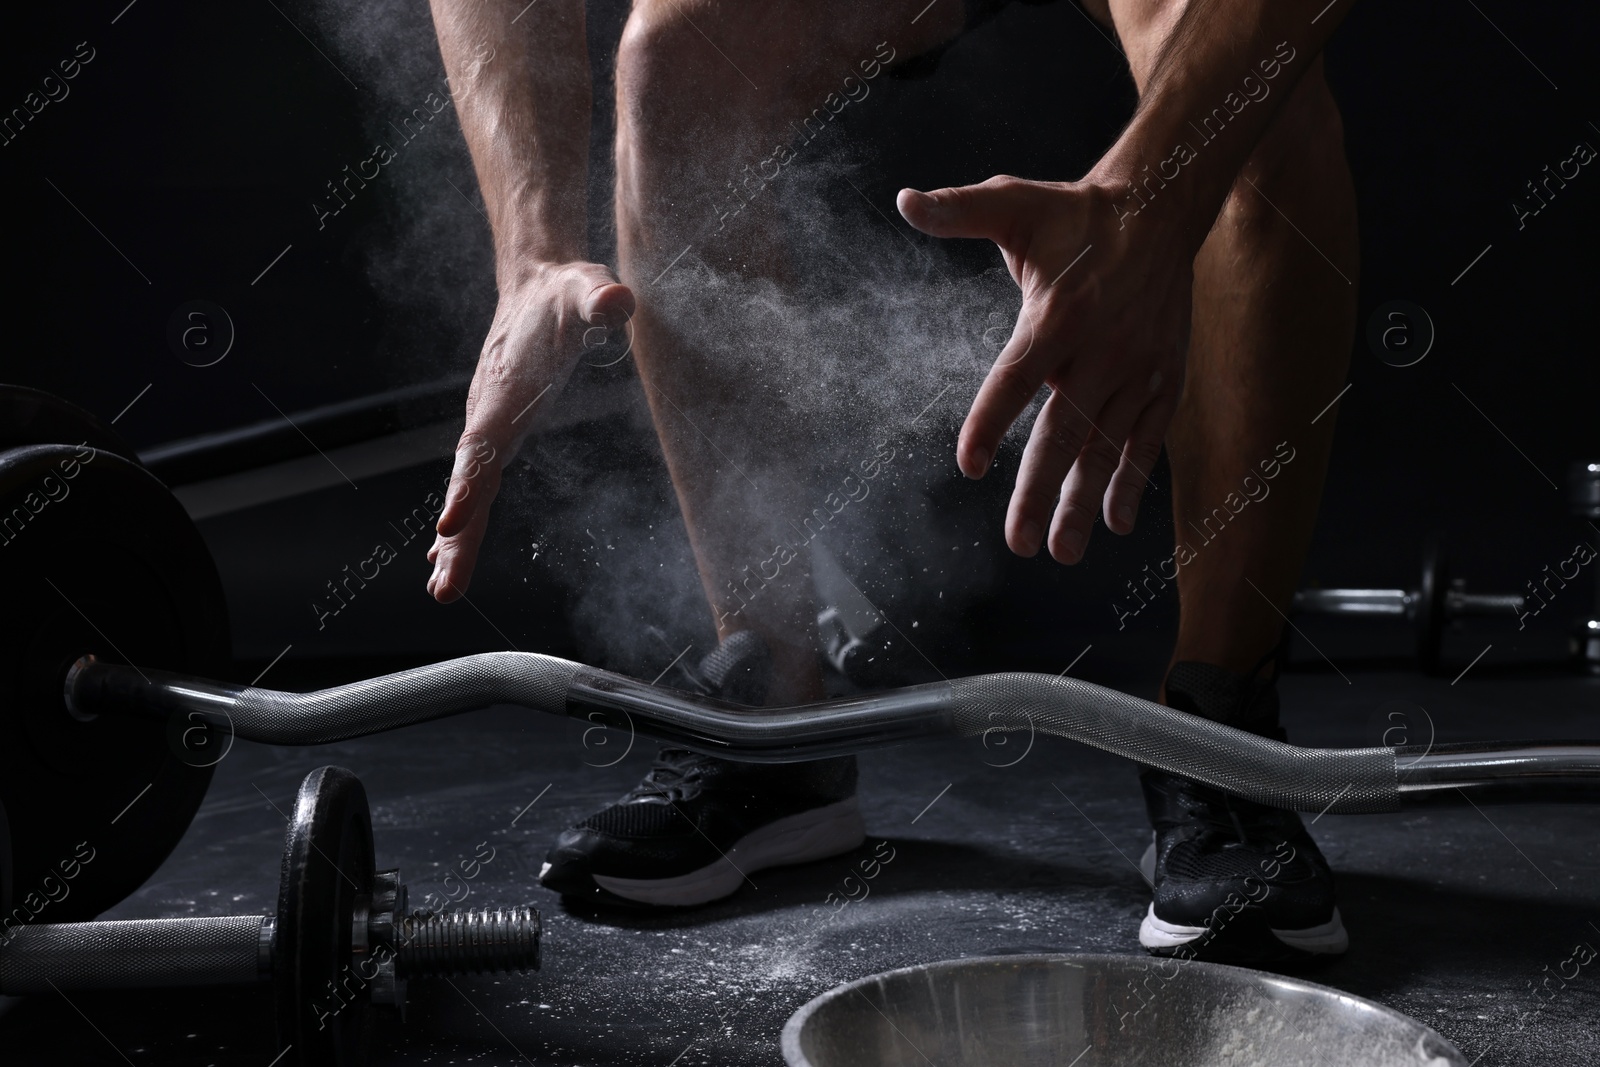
column 1274, row 319
column 706, row 91
column 1273, row 322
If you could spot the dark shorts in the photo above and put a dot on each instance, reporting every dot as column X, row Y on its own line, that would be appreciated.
column 978, row 12
column 981, row 11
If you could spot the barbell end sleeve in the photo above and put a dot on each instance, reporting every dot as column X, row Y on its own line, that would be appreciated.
column 1499, row 771
column 93, row 687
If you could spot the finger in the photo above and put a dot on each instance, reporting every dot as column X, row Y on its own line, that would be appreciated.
column 455, row 558
column 1086, row 482
column 1058, row 435
column 1139, row 455
column 607, row 303
column 1007, row 390
column 474, row 482
column 990, row 209
column 608, row 311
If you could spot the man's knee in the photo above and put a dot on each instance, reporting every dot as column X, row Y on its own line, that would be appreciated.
column 1302, row 150
column 774, row 62
column 726, row 59
column 660, row 70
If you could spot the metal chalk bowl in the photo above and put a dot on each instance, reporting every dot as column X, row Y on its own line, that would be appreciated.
column 1100, row 1011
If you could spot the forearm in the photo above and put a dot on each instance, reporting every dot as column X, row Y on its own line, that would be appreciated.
column 519, row 76
column 1220, row 77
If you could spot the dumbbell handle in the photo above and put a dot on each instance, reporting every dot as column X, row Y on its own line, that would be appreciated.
column 136, row 954
column 238, row 950
column 1395, row 602
column 1399, row 603
column 1458, row 604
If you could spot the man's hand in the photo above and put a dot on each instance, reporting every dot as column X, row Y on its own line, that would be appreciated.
column 545, row 319
column 1104, row 323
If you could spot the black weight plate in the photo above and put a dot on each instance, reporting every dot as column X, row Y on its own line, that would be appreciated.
column 32, row 417
column 322, row 1000
column 1429, row 619
column 99, row 558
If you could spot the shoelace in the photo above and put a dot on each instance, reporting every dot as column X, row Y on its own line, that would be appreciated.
column 1201, row 804
column 672, row 774
column 1218, row 813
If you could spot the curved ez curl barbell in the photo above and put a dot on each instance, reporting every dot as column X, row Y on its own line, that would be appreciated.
column 1339, row 780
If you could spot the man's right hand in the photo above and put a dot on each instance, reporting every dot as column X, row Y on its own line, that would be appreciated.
column 536, row 338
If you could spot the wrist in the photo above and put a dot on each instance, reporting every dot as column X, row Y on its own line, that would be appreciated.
column 1198, row 121
column 520, row 271
column 530, row 234
column 524, row 259
column 1159, row 181
column 536, row 245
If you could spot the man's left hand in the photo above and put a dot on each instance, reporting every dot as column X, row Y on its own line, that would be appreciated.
column 1104, row 323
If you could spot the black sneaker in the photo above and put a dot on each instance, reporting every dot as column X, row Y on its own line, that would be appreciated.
column 697, row 827
column 1234, row 881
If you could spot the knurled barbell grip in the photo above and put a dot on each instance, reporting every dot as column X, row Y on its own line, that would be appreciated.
column 136, row 954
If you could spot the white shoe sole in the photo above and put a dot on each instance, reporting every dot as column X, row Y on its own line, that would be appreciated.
column 801, row 838
column 1328, row 939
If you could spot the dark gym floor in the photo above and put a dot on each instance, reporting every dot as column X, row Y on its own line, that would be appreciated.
column 1456, row 914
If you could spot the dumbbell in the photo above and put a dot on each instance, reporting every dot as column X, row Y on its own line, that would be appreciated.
column 342, row 941
column 1436, row 601
column 1439, row 599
